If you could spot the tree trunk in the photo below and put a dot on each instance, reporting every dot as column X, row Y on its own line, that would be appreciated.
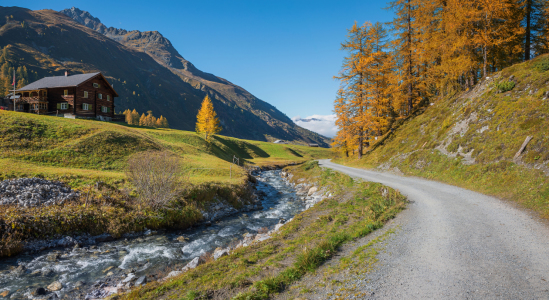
column 360, row 146
column 485, row 58
column 528, row 34
column 410, row 87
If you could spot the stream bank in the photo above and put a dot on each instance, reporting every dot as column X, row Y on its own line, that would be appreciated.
column 93, row 271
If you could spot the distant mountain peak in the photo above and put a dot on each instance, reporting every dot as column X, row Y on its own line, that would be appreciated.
column 232, row 97
column 83, row 17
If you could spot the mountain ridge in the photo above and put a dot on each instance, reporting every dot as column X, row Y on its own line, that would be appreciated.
column 138, row 65
column 161, row 50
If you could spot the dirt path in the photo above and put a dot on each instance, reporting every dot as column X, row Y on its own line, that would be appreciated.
column 451, row 243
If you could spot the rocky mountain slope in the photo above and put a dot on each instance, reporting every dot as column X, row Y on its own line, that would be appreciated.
column 145, row 69
column 162, row 51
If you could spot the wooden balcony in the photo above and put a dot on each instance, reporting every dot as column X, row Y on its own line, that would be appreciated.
column 32, row 99
column 69, row 99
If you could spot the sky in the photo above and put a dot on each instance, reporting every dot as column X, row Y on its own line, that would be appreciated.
column 283, row 52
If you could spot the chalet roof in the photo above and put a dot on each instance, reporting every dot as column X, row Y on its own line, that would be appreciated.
column 59, row 81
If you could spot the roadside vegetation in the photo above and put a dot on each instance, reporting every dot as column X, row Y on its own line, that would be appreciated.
column 94, row 157
column 470, row 139
column 300, row 247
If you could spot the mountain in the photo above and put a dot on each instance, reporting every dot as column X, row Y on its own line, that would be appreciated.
column 145, row 69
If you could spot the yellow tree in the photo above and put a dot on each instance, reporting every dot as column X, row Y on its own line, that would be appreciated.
column 134, row 117
column 345, row 137
column 143, row 120
column 128, row 114
column 150, row 120
column 353, row 81
column 207, row 122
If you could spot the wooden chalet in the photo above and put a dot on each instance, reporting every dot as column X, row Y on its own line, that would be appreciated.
column 78, row 96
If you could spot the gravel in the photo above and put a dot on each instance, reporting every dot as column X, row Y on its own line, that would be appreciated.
column 30, row 192
column 453, row 243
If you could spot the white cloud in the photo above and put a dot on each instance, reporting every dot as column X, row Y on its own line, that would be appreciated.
column 324, row 125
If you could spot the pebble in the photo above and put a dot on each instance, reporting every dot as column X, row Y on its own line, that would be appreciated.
column 55, row 286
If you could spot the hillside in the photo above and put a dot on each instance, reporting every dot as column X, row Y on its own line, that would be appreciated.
column 144, row 68
column 81, row 152
column 471, row 139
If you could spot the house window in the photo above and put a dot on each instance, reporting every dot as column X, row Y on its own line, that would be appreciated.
column 62, row 106
column 85, row 94
column 96, row 85
column 108, row 97
column 87, row 106
column 104, row 109
column 43, row 106
column 99, row 96
column 66, row 92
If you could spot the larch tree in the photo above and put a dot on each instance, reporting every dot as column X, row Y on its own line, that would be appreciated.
column 135, row 117
column 405, row 45
column 207, row 122
column 143, row 120
column 345, row 137
column 353, row 80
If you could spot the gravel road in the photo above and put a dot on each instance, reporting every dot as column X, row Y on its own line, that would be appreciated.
column 457, row 244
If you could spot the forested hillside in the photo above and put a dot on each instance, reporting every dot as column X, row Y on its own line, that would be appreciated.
column 460, row 95
column 431, row 49
column 47, row 43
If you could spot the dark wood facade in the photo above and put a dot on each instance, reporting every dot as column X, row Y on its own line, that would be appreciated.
column 92, row 98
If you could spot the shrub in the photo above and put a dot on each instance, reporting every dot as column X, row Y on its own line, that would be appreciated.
column 504, row 86
column 542, row 65
column 156, row 177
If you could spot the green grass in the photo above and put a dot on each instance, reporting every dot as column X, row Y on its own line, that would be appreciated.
column 300, row 247
column 82, row 151
column 498, row 123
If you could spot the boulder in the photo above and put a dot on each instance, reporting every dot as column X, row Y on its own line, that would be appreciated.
column 173, row 274
column 220, row 253
column 20, row 270
column 55, row 286
column 312, row 190
column 193, row 264
column 108, row 269
column 262, row 237
column 129, row 278
column 140, row 281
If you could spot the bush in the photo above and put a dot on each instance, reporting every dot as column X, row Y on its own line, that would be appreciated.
column 542, row 65
column 156, row 177
column 504, row 86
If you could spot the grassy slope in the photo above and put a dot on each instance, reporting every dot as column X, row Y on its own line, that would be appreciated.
column 81, row 151
column 470, row 139
column 300, row 247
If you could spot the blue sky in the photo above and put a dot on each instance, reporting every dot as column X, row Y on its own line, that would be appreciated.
column 283, row 52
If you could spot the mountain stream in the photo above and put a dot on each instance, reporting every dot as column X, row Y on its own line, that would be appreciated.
column 86, row 272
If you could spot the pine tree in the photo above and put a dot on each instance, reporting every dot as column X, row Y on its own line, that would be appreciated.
column 207, row 122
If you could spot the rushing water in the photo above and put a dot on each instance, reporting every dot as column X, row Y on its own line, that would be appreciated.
column 82, row 269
